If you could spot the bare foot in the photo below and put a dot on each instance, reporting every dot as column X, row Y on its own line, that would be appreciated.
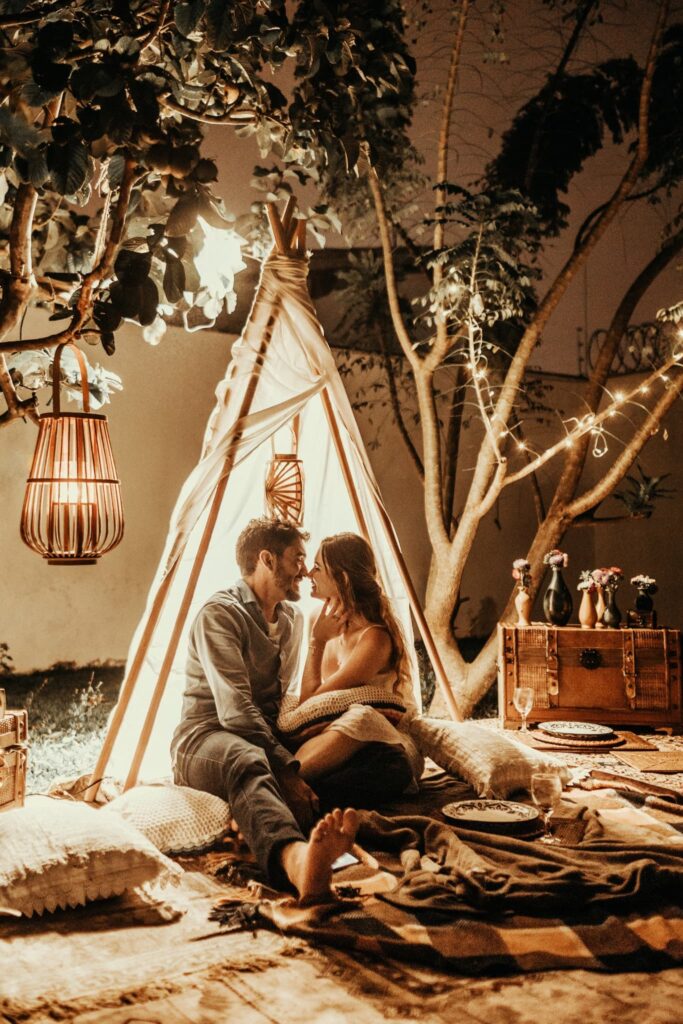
column 309, row 865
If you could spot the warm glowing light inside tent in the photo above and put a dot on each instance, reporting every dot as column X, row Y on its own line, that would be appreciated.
column 219, row 259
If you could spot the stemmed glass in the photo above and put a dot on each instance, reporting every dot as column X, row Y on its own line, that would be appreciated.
column 523, row 700
column 546, row 792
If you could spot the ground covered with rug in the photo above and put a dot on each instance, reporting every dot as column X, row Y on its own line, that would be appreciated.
column 500, row 925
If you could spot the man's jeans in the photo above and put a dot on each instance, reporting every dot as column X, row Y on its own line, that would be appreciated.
column 234, row 769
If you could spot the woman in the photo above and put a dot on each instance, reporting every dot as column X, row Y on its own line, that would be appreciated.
column 355, row 641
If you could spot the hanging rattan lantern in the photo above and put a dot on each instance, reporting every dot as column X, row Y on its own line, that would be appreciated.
column 72, row 510
column 285, row 483
column 285, row 489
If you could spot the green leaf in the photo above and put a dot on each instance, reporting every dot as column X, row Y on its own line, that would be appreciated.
column 183, row 216
column 219, row 29
column 106, row 316
column 174, row 280
column 125, row 299
column 108, row 342
column 17, row 133
column 149, row 301
column 69, row 166
column 131, row 267
column 55, row 39
column 115, row 170
column 187, row 16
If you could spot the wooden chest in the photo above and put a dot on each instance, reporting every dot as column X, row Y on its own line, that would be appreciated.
column 13, row 762
column 13, row 728
column 612, row 676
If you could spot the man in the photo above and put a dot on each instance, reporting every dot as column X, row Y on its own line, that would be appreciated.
column 243, row 653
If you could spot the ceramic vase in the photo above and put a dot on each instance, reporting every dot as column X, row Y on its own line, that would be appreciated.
column 643, row 602
column 587, row 613
column 611, row 616
column 599, row 607
column 557, row 602
column 523, row 606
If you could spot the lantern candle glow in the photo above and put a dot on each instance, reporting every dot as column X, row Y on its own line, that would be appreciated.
column 72, row 510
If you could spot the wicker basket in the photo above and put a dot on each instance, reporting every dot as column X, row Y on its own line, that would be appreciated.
column 13, row 728
column 13, row 762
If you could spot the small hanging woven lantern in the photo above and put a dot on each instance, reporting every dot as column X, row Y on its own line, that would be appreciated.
column 285, row 483
column 72, row 510
column 285, row 489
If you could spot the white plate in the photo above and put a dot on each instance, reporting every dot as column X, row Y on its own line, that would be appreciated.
column 491, row 815
column 577, row 730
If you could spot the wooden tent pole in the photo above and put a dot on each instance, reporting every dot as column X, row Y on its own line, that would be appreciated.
column 129, row 686
column 130, row 682
column 202, row 550
column 423, row 625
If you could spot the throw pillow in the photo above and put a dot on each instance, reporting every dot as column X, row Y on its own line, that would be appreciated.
column 176, row 819
column 58, row 854
column 494, row 764
column 305, row 720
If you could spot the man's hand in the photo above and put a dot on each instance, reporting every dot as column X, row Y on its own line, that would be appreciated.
column 300, row 798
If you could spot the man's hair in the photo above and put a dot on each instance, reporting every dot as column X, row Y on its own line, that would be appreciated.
column 264, row 534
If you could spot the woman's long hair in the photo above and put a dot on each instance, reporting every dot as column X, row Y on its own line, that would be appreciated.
column 350, row 562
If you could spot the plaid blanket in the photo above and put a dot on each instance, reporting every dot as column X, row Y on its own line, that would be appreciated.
column 485, row 904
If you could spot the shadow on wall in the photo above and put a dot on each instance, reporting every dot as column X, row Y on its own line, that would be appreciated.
column 483, row 621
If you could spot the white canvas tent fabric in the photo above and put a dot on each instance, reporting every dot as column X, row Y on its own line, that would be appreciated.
column 297, row 366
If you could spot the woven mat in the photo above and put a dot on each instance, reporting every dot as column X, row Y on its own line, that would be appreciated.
column 624, row 741
column 669, row 761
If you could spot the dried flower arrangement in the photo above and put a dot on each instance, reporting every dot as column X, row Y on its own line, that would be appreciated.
column 556, row 559
column 521, row 571
column 645, row 584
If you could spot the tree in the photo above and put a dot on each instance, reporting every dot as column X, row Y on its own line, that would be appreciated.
column 482, row 315
column 106, row 197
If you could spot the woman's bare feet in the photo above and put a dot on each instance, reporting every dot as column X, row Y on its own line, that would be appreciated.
column 309, row 865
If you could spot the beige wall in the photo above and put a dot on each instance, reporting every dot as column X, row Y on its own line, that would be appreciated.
column 82, row 614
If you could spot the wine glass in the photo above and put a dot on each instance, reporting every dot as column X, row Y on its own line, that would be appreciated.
column 546, row 792
column 523, row 700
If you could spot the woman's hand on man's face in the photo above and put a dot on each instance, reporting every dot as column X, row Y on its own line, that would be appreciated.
column 330, row 621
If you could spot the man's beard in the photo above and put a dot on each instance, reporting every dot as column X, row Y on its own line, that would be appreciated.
column 289, row 584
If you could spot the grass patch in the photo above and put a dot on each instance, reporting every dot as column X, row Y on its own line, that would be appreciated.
column 68, row 708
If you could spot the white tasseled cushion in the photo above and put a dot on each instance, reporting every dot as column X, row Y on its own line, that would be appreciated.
column 57, row 854
column 494, row 764
column 176, row 819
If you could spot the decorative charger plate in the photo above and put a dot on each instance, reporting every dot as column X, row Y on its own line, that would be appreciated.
column 577, row 730
column 491, row 815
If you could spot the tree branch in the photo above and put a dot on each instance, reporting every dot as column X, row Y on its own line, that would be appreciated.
column 539, row 503
column 154, row 33
column 604, row 487
column 404, row 338
column 451, row 447
column 234, row 117
column 590, row 423
column 16, row 408
column 441, row 344
column 396, row 405
column 576, row 458
column 549, row 91
column 513, row 380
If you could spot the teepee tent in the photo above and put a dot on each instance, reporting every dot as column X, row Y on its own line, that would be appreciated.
column 282, row 378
